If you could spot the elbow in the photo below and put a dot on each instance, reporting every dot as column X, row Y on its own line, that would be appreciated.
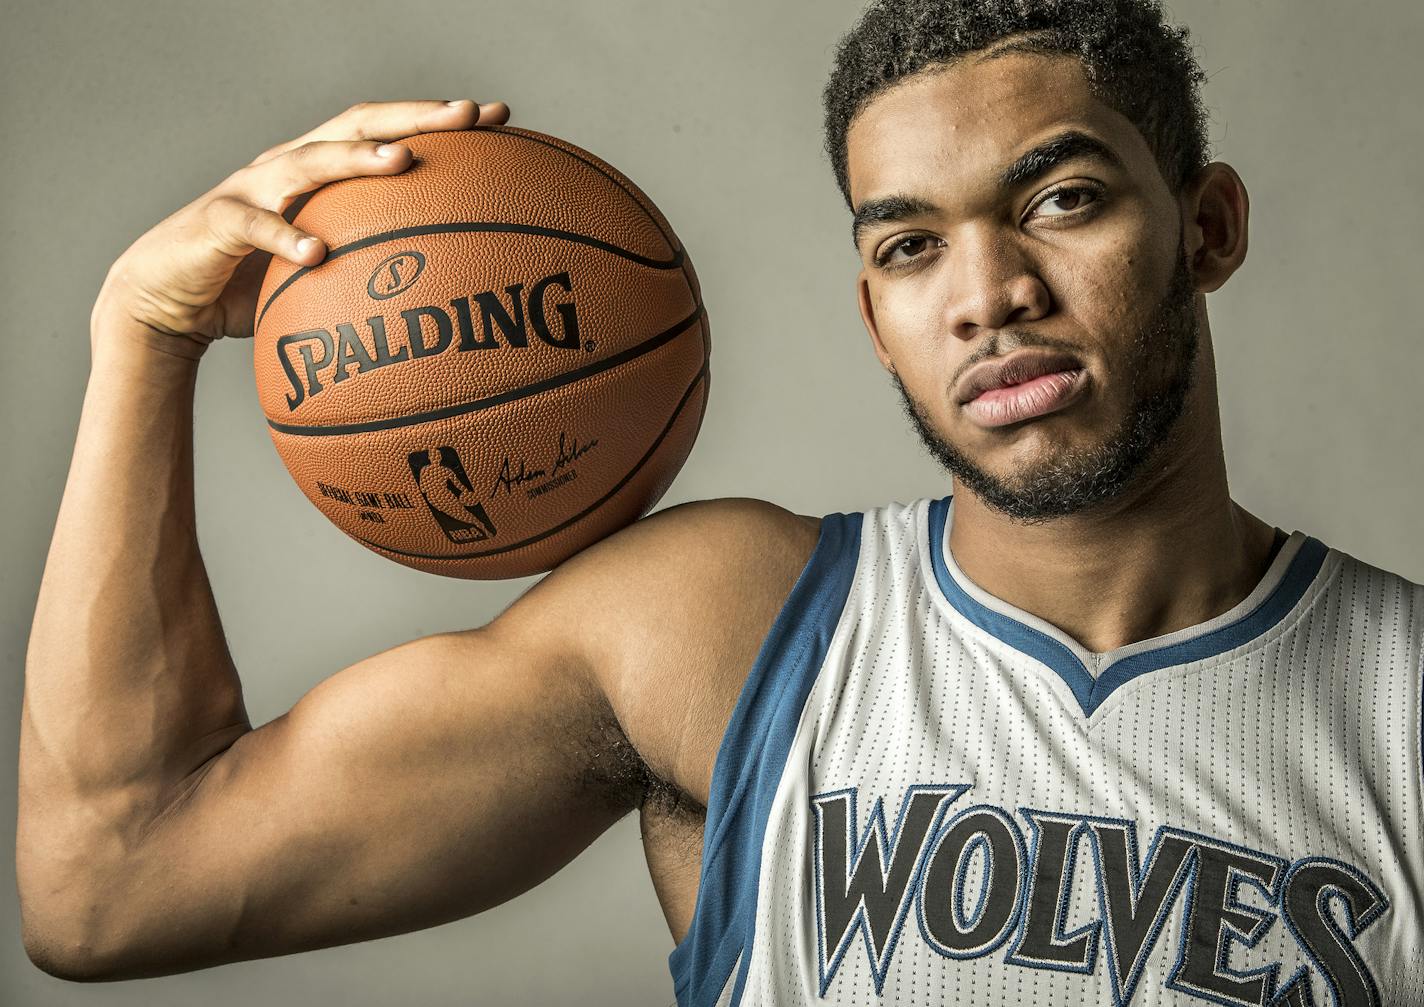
column 69, row 961
column 66, row 953
column 74, row 900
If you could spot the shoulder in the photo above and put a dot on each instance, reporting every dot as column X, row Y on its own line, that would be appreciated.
column 667, row 615
column 1376, row 593
column 701, row 573
column 713, row 542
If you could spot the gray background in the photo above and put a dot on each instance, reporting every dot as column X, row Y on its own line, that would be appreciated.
column 116, row 113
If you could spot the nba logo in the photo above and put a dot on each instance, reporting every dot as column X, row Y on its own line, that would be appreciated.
column 446, row 490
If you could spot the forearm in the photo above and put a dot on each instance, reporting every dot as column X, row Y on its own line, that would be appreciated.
column 129, row 686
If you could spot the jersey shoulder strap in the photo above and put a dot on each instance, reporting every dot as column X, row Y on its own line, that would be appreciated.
column 708, row 962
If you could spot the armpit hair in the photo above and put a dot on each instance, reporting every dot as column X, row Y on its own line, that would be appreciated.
column 613, row 765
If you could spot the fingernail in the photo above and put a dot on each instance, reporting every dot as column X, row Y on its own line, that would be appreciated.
column 305, row 245
column 388, row 150
column 457, row 102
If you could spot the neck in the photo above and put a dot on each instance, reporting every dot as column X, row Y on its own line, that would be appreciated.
column 1173, row 551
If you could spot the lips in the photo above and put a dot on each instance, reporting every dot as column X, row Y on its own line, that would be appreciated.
column 1022, row 386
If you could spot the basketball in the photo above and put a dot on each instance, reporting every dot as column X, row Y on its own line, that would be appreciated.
column 502, row 359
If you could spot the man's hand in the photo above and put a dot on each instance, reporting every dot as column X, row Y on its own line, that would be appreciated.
column 194, row 277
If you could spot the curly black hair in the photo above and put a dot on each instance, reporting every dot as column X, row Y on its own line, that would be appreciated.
column 1134, row 61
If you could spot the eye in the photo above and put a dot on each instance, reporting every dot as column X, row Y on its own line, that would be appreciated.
column 910, row 244
column 1068, row 200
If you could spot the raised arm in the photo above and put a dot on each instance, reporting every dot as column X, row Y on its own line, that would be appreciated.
column 133, row 721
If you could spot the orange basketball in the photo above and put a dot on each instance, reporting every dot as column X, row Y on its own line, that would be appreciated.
column 502, row 358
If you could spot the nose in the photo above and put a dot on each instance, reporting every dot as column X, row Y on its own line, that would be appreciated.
column 992, row 283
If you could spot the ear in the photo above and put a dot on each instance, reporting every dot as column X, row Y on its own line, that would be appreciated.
column 867, row 315
column 1215, row 213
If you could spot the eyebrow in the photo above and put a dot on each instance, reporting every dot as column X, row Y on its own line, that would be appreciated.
column 1071, row 145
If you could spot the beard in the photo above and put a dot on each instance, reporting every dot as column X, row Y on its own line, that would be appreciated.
column 1079, row 478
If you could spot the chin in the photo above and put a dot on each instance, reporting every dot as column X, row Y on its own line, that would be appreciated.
column 1040, row 436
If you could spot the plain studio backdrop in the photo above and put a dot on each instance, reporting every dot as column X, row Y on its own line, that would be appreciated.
column 115, row 114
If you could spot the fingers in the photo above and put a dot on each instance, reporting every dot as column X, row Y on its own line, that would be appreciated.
column 245, row 213
column 197, row 258
column 238, row 228
column 396, row 120
column 274, row 183
column 357, row 142
column 494, row 113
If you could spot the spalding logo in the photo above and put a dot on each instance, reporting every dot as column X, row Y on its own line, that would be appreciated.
column 479, row 321
column 395, row 274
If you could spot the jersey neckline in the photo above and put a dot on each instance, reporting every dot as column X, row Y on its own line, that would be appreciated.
column 1092, row 676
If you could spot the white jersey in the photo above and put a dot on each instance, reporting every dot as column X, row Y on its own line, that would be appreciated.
column 928, row 796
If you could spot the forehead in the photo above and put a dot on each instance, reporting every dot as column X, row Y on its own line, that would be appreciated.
column 958, row 125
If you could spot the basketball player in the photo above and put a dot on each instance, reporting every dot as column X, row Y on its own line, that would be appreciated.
column 1086, row 732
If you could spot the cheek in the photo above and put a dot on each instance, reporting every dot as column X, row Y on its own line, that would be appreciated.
column 909, row 323
column 913, row 337
column 1111, row 287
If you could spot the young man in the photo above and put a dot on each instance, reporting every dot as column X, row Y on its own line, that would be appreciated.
column 1084, row 732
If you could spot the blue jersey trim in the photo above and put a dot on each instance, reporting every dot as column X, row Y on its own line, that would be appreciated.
column 1091, row 693
column 749, row 766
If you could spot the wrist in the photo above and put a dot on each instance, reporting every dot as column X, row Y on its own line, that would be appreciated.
column 135, row 354
column 117, row 340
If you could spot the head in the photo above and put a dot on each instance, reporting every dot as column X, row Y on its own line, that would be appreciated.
column 1029, row 180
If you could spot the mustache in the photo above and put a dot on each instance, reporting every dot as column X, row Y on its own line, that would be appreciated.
column 1004, row 341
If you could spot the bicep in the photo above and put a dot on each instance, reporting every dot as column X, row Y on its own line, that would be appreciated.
column 421, row 785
